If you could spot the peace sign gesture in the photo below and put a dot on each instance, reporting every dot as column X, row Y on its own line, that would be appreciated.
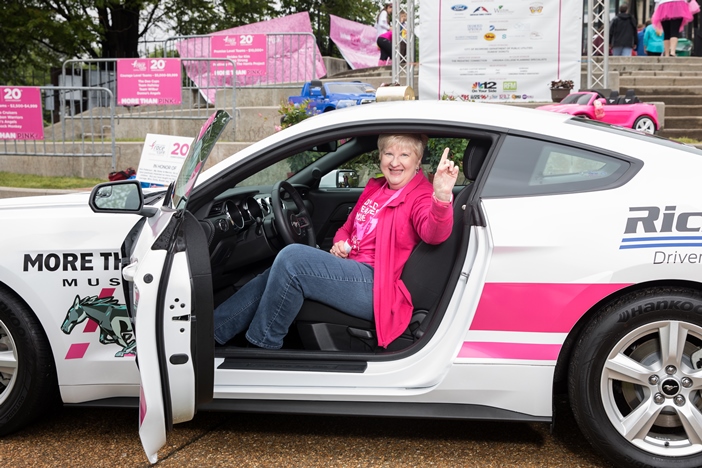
column 445, row 177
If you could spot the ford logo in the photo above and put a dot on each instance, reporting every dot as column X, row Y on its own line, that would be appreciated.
column 459, row 8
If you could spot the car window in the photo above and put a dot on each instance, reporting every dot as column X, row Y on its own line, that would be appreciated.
column 350, row 88
column 286, row 168
column 582, row 99
column 358, row 171
column 532, row 167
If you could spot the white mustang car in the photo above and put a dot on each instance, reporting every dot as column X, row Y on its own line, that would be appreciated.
column 574, row 266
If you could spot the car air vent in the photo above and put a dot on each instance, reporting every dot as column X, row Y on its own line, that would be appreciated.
column 217, row 209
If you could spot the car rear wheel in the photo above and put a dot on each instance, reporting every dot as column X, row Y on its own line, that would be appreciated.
column 645, row 124
column 27, row 374
column 635, row 380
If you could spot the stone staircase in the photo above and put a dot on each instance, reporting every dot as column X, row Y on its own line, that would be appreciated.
column 676, row 81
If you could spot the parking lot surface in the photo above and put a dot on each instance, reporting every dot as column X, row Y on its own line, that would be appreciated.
column 108, row 438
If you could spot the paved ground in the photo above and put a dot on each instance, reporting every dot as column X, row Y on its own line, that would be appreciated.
column 108, row 438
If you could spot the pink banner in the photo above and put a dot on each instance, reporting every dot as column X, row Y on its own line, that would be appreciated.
column 291, row 55
column 355, row 41
column 20, row 113
column 153, row 81
column 247, row 51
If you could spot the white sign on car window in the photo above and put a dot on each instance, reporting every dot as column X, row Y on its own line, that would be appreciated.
column 162, row 157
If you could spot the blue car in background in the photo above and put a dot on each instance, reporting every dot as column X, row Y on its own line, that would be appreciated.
column 324, row 97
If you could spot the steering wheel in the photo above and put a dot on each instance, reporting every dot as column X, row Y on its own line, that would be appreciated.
column 293, row 227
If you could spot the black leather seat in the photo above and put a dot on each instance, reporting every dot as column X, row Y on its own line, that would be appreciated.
column 628, row 98
column 425, row 275
column 613, row 97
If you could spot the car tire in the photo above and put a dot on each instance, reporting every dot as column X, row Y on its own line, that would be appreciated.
column 28, row 384
column 645, row 124
column 636, row 407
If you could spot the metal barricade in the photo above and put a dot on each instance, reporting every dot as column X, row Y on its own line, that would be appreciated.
column 291, row 58
column 71, row 128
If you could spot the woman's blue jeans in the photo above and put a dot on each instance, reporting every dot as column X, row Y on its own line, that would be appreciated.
column 268, row 304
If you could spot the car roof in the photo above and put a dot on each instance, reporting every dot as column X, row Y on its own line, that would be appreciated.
column 479, row 115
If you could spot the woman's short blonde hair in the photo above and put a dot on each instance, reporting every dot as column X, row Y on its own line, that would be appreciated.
column 415, row 142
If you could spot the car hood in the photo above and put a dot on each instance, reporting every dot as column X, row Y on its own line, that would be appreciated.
column 562, row 108
column 51, row 201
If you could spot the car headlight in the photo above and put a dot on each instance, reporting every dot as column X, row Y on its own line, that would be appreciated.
column 345, row 103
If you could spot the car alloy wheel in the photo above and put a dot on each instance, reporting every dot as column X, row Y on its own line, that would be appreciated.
column 645, row 124
column 8, row 363
column 636, row 380
column 28, row 385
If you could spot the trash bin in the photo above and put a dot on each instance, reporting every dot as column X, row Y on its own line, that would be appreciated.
column 684, row 47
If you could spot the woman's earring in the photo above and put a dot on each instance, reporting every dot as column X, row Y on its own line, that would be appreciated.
column 416, row 171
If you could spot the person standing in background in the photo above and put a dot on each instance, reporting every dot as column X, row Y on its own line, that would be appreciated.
column 384, row 42
column 382, row 20
column 653, row 40
column 622, row 32
column 671, row 16
column 639, row 40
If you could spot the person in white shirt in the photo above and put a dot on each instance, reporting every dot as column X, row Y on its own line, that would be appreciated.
column 381, row 20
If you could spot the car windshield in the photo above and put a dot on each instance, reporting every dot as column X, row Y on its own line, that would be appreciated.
column 350, row 88
column 577, row 98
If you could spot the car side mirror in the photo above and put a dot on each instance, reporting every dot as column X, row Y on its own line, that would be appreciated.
column 123, row 196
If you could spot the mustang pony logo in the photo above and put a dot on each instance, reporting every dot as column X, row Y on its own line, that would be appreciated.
column 110, row 316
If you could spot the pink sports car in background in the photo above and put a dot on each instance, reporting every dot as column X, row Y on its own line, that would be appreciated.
column 625, row 111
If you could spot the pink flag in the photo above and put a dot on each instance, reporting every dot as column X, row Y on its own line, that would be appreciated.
column 355, row 41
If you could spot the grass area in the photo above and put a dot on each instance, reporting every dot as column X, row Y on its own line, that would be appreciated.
column 9, row 179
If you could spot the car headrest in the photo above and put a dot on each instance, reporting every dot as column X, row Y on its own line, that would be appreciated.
column 474, row 157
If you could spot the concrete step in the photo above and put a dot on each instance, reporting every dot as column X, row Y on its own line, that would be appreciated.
column 658, row 73
column 674, row 100
column 666, row 91
column 695, row 134
column 683, row 122
column 658, row 81
column 683, row 110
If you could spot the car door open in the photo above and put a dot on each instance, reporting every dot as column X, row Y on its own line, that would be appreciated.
column 171, row 303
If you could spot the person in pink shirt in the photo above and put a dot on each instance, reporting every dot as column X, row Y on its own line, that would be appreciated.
column 384, row 42
column 360, row 275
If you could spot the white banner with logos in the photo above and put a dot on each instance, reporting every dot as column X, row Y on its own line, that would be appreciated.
column 161, row 158
column 508, row 51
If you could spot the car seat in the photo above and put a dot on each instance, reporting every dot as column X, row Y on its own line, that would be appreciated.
column 628, row 98
column 320, row 85
column 613, row 97
column 425, row 275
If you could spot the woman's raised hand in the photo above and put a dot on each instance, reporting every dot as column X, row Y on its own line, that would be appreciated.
column 445, row 177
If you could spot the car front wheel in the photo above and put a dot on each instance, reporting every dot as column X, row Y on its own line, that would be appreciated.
column 27, row 374
column 645, row 124
column 635, row 380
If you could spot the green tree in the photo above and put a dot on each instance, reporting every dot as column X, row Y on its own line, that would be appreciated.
column 361, row 11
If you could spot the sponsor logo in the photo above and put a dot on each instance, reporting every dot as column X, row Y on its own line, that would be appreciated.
column 459, row 7
column 480, row 11
column 484, row 87
column 157, row 148
column 475, row 28
column 501, row 10
column 495, row 28
column 489, row 36
column 138, row 65
column 535, row 36
column 103, row 312
column 509, row 86
column 230, row 40
column 653, row 227
column 536, row 8
column 685, row 306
